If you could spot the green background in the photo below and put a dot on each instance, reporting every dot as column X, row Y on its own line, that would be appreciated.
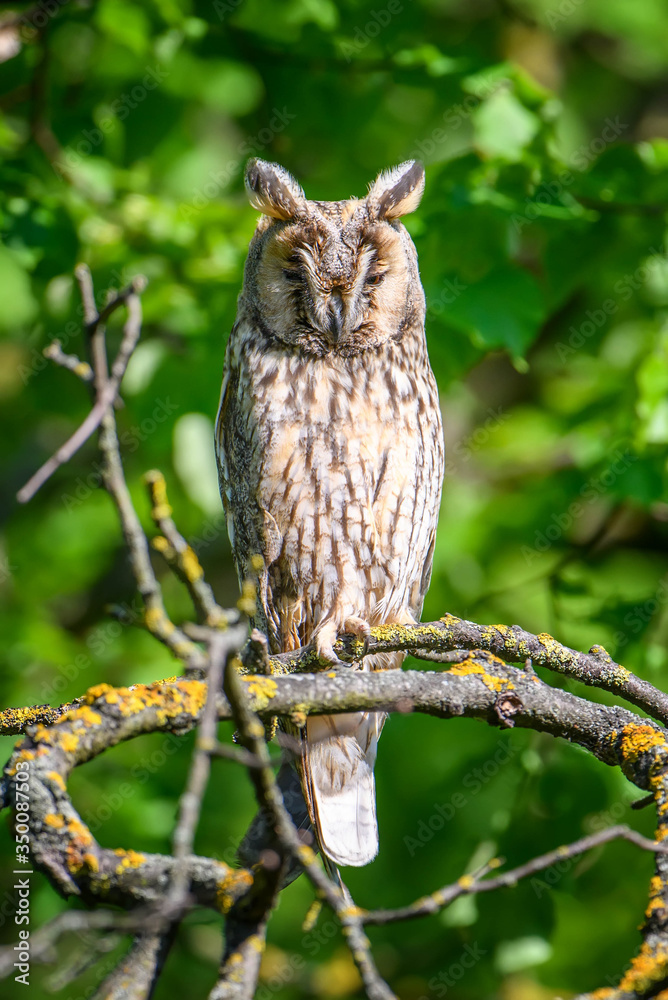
column 544, row 128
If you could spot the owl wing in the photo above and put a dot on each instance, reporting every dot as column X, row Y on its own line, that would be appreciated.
column 252, row 530
column 428, row 489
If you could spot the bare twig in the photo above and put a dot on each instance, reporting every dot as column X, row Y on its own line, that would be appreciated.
column 237, row 754
column 179, row 555
column 54, row 352
column 43, row 939
column 155, row 616
column 222, row 645
column 107, row 391
column 135, row 976
column 469, row 885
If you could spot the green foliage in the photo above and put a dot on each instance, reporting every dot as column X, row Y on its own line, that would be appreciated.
column 541, row 242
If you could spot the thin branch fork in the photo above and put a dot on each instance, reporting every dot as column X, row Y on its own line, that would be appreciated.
column 107, row 384
column 107, row 392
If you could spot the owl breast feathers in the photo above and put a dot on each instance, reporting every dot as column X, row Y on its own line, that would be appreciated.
column 330, row 451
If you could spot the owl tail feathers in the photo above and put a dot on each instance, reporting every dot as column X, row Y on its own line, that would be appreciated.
column 339, row 755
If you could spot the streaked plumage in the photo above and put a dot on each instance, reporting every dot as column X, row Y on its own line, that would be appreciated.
column 330, row 451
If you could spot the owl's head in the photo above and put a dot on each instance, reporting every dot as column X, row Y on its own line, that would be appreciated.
column 333, row 276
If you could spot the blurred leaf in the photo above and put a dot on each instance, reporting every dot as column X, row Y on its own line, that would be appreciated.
column 523, row 953
column 503, row 126
column 504, row 309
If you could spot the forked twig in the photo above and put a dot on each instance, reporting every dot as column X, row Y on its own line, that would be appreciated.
column 471, row 885
column 107, row 393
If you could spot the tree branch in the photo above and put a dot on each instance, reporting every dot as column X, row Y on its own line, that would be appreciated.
column 510, row 642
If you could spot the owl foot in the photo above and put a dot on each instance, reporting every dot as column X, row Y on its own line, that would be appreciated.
column 360, row 628
column 324, row 645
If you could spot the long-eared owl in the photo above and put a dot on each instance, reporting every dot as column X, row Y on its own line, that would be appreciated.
column 330, row 451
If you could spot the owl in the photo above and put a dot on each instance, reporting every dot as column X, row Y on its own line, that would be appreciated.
column 330, row 453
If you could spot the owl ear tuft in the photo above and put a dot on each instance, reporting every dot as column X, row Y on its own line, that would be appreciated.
column 398, row 191
column 272, row 190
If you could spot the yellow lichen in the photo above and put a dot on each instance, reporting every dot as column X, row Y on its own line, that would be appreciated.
column 95, row 692
column 466, row 881
column 647, row 968
column 227, row 888
column 43, row 735
column 88, row 716
column 261, row 689
column 156, row 620
column 246, row 603
column 312, row 914
column 82, row 717
column 80, row 840
column 129, row 859
column 639, row 739
column 157, row 486
column 69, row 742
column 491, row 682
column 16, row 720
column 450, row 620
column 57, row 779
column 306, row 855
column 191, row 566
column 54, row 820
column 654, row 905
column 23, row 757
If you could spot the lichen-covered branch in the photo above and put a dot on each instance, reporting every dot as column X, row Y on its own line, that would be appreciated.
column 510, row 642
column 480, row 686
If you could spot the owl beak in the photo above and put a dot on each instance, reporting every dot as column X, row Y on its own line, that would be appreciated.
column 336, row 315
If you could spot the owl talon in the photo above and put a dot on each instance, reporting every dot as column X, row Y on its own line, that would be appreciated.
column 361, row 629
column 326, row 655
column 324, row 644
